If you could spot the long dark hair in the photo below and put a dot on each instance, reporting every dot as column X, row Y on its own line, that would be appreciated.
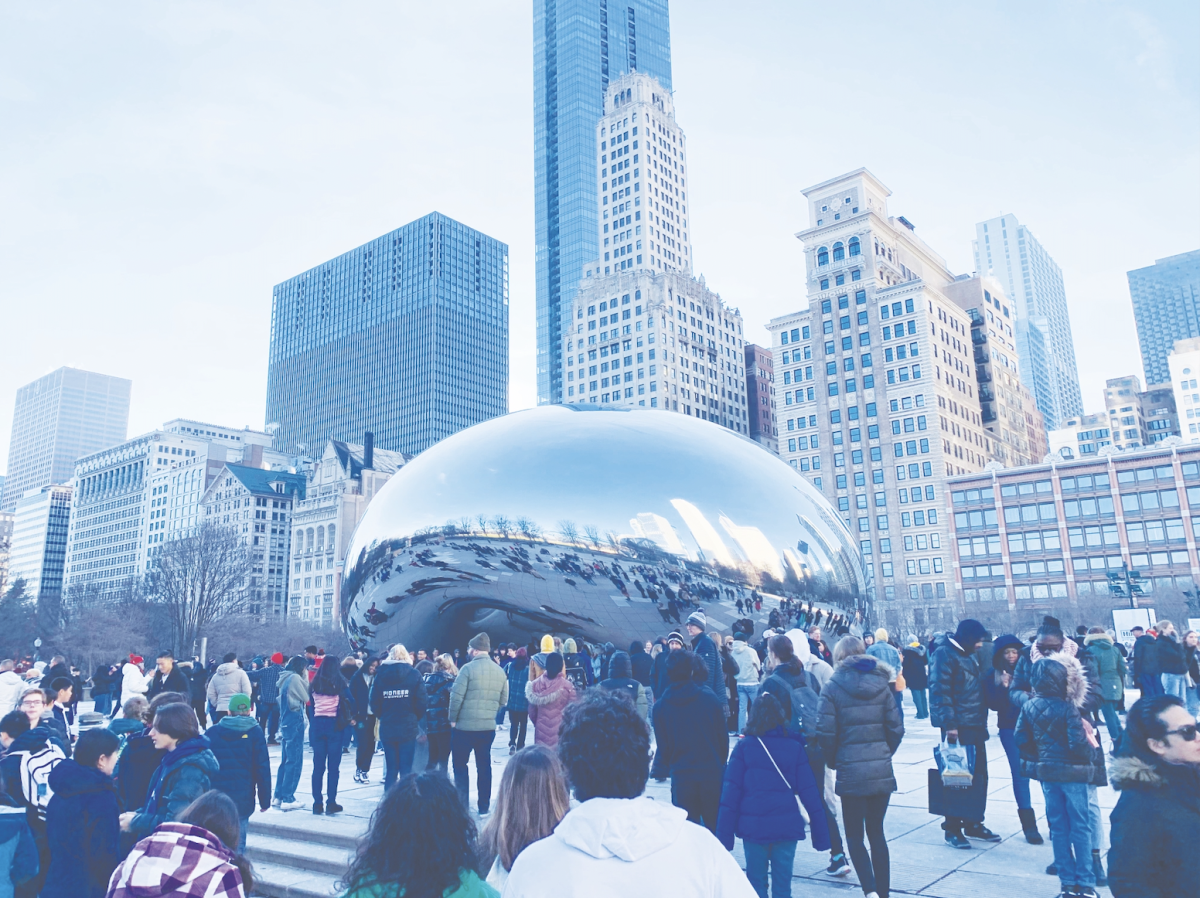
column 765, row 715
column 421, row 839
column 329, row 679
column 216, row 812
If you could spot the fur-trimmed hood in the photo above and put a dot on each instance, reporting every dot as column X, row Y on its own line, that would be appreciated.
column 1070, row 647
column 863, row 676
column 1098, row 637
column 1060, row 676
column 1131, row 772
column 544, row 691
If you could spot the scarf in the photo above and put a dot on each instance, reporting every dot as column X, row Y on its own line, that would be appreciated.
column 178, row 753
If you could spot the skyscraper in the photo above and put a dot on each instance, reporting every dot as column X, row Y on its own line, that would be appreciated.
column 405, row 336
column 578, row 45
column 1007, row 250
column 39, row 543
column 58, row 419
column 1166, row 307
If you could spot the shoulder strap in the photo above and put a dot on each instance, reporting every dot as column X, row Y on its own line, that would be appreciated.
column 773, row 764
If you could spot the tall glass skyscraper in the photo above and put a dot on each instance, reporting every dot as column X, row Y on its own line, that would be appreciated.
column 1166, row 307
column 578, row 46
column 405, row 336
column 1007, row 250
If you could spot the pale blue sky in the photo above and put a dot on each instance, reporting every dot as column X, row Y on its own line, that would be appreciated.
column 163, row 165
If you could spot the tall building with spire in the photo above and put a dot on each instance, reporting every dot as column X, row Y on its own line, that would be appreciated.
column 578, row 47
column 1007, row 250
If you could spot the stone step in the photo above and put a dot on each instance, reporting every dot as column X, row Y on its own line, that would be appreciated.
column 304, row 826
column 289, row 852
column 277, row 881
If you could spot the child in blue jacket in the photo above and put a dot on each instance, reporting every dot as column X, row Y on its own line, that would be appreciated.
column 768, row 769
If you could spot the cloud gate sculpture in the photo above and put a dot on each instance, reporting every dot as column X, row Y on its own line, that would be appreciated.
column 600, row 524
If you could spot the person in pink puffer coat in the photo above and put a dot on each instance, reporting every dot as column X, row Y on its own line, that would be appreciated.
column 548, row 695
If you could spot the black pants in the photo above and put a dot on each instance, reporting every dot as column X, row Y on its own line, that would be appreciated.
column 268, row 719
column 874, row 869
column 365, row 735
column 200, row 706
column 701, row 798
column 439, row 751
column 979, row 781
column 817, row 764
column 517, row 723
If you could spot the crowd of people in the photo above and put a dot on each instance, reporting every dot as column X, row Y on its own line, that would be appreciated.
column 770, row 739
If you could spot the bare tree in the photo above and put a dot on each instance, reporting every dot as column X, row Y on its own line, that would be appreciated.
column 199, row 579
column 502, row 525
column 592, row 534
column 568, row 531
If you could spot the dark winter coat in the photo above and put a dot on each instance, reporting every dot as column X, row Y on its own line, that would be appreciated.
column 175, row 681
column 758, row 801
column 360, row 692
column 640, row 663
column 398, row 700
column 689, row 729
column 1108, row 664
column 658, row 673
column 1050, row 735
column 859, row 727
column 1170, row 655
column 703, row 646
column 83, row 831
column 518, row 678
column 1145, row 657
column 1155, row 834
column 180, row 781
column 139, row 759
column 1022, row 684
column 915, row 666
column 956, row 700
column 994, row 690
column 438, row 686
column 548, row 698
column 18, row 849
column 240, row 748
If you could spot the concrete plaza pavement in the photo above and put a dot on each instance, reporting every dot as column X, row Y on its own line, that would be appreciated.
column 300, row 855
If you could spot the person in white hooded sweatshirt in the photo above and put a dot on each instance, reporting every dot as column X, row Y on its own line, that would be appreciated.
column 617, row 841
column 818, row 667
column 11, row 686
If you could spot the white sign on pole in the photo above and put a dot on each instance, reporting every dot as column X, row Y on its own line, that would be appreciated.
column 1125, row 619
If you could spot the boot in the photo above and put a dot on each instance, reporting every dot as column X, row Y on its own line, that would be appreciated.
column 1098, row 869
column 1029, row 825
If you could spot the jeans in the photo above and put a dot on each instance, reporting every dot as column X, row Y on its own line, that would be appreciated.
column 365, row 749
column 1193, row 700
column 1070, row 824
column 518, row 723
column 874, row 870
column 241, row 849
column 1095, row 818
column 1151, row 684
column 746, row 693
column 326, row 741
column 898, row 695
column 817, row 763
column 1008, row 738
column 291, row 733
column 1175, row 684
column 780, row 855
column 1109, row 710
column 439, row 751
column 103, row 703
column 462, row 743
column 700, row 797
column 922, row 702
column 397, row 760
column 268, row 718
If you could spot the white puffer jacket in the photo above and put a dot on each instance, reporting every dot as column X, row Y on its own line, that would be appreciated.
column 133, row 682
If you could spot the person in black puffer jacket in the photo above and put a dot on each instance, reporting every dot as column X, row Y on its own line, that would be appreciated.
column 1056, row 750
column 640, row 663
column 958, row 708
column 518, row 704
column 397, row 699
column 436, row 723
column 859, row 728
column 1006, row 652
column 1156, row 823
column 914, row 666
column 620, row 680
column 706, row 649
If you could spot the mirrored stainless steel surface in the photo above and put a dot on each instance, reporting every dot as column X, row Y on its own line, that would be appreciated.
column 589, row 523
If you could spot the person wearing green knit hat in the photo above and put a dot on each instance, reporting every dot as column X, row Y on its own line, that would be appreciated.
column 241, row 750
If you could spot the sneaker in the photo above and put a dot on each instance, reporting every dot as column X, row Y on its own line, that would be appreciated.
column 837, row 866
column 980, row 832
column 333, row 807
column 366, row 777
column 512, row 749
column 291, row 805
column 1085, row 892
column 318, row 807
column 275, row 802
column 956, row 840
column 484, row 812
column 1052, row 870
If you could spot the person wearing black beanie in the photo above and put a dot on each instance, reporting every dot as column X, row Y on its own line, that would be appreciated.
column 958, row 707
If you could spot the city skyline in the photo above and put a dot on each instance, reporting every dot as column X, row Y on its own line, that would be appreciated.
column 152, row 279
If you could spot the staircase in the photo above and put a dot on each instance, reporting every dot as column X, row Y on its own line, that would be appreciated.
column 299, row 855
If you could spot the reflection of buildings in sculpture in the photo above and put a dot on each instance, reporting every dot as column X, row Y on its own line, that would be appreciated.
column 756, row 547
column 658, row 530
column 835, row 563
column 711, row 546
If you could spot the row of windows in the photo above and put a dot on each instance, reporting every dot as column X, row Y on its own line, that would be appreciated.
column 839, row 251
column 840, row 279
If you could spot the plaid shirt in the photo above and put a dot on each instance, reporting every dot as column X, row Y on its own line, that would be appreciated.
column 267, row 681
column 178, row 860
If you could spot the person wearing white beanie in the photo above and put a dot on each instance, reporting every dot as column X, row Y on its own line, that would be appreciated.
column 818, row 667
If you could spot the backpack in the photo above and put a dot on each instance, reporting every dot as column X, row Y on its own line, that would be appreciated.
column 804, row 704
column 35, row 773
column 575, row 673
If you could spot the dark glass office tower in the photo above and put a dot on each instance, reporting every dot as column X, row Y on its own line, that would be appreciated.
column 406, row 336
column 1166, row 308
column 578, row 46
